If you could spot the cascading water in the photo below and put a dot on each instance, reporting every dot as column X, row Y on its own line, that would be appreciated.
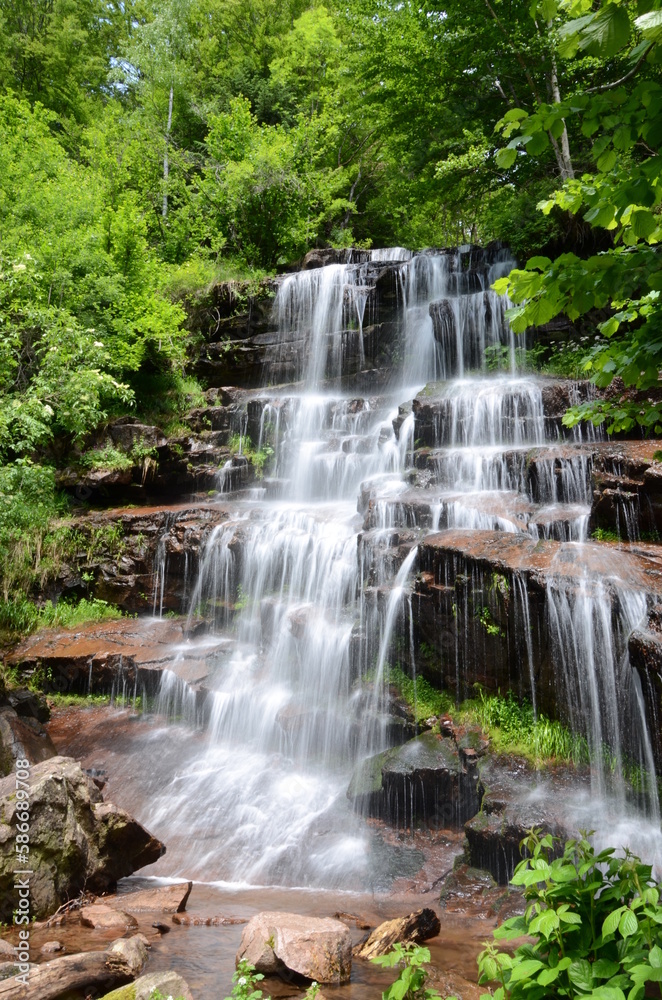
column 260, row 797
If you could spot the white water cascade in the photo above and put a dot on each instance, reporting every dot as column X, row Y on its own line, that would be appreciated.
column 259, row 796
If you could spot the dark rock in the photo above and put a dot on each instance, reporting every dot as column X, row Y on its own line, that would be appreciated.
column 423, row 780
column 27, row 704
column 22, row 739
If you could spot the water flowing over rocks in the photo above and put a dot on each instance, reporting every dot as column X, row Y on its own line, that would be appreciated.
column 77, row 841
column 319, row 949
column 410, row 508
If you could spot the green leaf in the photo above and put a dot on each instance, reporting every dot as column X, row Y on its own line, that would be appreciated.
column 604, row 969
column 607, row 161
column 655, row 956
column 650, row 25
column 628, row 925
column 548, row 976
column 506, row 157
column 606, row 33
column 580, row 974
column 643, row 223
column 524, row 970
column 540, row 264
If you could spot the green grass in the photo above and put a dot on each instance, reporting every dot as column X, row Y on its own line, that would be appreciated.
column 423, row 699
column 78, row 700
column 20, row 616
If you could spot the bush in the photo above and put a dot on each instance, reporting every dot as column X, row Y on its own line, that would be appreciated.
column 595, row 921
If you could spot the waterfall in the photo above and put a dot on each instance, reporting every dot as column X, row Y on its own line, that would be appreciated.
column 308, row 593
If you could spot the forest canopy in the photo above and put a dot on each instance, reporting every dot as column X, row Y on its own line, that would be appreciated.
column 151, row 148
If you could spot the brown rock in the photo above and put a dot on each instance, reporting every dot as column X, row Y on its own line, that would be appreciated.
column 7, row 952
column 316, row 948
column 164, row 899
column 101, row 917
column 416, row 927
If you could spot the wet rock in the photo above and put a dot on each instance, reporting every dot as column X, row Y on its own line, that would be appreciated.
column 415, row 928
column 51, row 947
column 465, row 883
column 422, row 781
column 28, row 704
column 482, row 603
column 101, row 917
column 516, row 799
column 22, row 739
column 164, row 899
column 128, row 653
column 76, row 839
column 315, row 948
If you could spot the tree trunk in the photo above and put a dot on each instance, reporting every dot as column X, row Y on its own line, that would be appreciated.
column 166, row 164
column 416, row 927
column 89, row 969
column 563, row 151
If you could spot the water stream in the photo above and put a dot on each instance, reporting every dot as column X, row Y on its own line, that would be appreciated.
column 259, row 798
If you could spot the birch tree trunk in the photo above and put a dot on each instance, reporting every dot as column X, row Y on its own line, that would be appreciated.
column 166, row 163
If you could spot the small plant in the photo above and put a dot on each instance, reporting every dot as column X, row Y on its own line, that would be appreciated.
column 605, row 535
column 595, row 921
column 411, row 983
column 484, row 616
column 245, row 982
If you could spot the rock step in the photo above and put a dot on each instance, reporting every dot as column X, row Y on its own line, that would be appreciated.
column 491, row 608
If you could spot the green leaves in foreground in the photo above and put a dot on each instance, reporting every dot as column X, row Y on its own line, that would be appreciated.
column 596, row 922
column 411, row 983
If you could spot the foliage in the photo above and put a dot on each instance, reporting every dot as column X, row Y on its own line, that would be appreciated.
column 22, row 616
column 595, row 922
column 258, row 457
column 411, row 983
column 245, row 980
column 424, row 699
column 619, row 196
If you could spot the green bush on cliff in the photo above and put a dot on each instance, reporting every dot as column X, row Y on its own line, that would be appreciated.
column 595, row 921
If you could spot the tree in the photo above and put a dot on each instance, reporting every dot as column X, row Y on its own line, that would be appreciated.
column 622, row 117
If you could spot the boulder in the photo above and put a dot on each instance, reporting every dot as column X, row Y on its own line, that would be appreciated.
column 313, row 947
column 76, row 839
column 7, row 953
column 163, row 899
column 101, row 917
column 426, row 779
column 415, row 927
column 168, row 984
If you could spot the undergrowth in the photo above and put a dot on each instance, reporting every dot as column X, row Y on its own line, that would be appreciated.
column 22, row 616
column 513, row 727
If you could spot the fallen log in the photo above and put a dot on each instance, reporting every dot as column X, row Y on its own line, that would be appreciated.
column 122, row 962
column 414, row 928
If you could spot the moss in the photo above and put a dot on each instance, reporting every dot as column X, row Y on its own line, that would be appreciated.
column 127, row 992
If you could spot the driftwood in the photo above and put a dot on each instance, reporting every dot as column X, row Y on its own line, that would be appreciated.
column 414, row 928
column 86, row 970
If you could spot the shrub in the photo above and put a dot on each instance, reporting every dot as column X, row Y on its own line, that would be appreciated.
column 595, row 921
